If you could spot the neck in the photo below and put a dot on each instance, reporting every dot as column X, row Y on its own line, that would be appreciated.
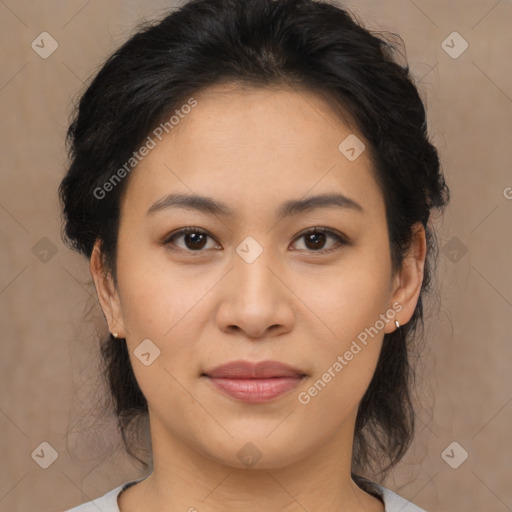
column 186, row 479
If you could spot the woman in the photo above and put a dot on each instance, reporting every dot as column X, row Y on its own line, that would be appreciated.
column 252, row 183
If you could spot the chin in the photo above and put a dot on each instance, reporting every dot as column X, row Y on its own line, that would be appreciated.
column 258, row 451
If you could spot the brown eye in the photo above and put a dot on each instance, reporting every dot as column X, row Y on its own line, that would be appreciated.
column 194, row 239
column 315, row 240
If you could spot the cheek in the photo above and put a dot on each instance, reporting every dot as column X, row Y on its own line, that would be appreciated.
column 349, row 338
column 346, row 355
column 163, row 309
column 156, row 297
column 347, row 300
column 167, row 306
column 333, row 395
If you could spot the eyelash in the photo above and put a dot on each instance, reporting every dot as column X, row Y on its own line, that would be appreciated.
column 341, row 240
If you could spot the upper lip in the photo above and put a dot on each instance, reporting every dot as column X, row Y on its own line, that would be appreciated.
column 254, row 370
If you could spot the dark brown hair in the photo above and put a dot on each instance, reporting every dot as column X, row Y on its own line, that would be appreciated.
column 306, row 43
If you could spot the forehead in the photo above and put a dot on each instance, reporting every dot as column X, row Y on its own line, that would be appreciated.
column 278, row 115
column 247, row 144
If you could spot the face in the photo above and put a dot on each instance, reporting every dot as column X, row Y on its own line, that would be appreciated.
column 255, row 282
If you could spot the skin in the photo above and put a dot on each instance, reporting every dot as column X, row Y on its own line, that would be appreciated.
column 253, row 149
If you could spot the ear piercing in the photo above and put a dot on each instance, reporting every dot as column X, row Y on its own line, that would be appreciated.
column 396, row 323
column 115, row 334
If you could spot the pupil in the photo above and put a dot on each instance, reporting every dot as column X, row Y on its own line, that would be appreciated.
column 314, row 236
column 195, row 242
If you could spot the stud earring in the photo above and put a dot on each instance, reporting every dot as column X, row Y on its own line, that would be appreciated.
column 396, row 323
column 115, row 334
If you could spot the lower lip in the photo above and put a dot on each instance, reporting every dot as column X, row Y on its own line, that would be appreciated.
column 255, row 390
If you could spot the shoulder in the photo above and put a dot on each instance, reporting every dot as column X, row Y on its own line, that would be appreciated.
column 395, row 503
column 105, row 503
column 392, row 501
column 108, row 502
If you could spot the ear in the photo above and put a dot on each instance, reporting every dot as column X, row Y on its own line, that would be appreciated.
column 108, row 295
column 408, row 280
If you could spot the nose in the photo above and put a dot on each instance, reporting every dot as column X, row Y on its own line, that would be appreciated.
column 256, row 300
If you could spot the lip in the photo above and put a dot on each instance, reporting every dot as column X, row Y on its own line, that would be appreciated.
column 257, row 370
column 254, row 382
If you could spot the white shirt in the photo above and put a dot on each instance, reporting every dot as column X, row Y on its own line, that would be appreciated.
column 108, row 502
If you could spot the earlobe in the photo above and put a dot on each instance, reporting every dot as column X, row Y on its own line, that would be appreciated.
column 106, row 291
column 409, row 280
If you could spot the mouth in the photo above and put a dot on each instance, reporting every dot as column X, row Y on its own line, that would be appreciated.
column 254, row 370
column 254, row 382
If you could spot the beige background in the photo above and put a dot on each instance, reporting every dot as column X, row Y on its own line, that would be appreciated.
column 49, row 347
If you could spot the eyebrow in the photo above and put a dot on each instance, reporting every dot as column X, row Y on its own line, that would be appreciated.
column 291, row 207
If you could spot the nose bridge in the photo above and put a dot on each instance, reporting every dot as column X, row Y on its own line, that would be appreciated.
column 255, row 300
column 254, row 270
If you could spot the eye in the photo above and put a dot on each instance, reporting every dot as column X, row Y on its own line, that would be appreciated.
column 193, row 238
column 315, row 239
